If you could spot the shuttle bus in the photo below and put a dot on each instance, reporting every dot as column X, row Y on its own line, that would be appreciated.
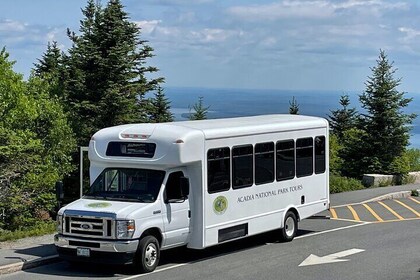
column 195, row 183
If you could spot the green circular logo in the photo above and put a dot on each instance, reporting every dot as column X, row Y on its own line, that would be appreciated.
column 99, row 205
column 220, row 205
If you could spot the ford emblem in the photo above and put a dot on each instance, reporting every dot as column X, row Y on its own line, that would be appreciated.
column 85, row 226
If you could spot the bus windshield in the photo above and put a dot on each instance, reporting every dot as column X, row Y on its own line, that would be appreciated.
column 124, row 184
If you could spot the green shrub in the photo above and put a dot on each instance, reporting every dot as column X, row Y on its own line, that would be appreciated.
column 413, row 156
column 40, row 228
column 343, row 184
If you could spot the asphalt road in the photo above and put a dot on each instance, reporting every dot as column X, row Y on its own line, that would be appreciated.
column 387, row 250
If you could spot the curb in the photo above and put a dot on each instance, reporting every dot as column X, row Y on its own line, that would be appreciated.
column 14, row 267
column 394, row 195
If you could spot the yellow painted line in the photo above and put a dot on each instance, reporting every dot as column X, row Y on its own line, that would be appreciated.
column 390, row 210
column 408, row 207
column 414, row 199
column 355, row 216
column 373, row 213
column 333, row 213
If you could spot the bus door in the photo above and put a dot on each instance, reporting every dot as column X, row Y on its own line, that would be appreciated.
column 176, row 213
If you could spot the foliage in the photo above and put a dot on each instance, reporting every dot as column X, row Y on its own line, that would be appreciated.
column 335, row 149
column 413, row 157
column 343, row 119
column 350, row 155
column 105, row 78
column 414, row 193
column 386, row 126
column 39, row 228
column 293, row 107
column 343, row 184
column 35, row 146
column 160, row 108
column 200, row 111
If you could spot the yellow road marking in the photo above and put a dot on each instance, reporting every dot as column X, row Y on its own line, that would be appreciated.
column 333, row 213
column 373, row 213
column 408, row 207
column 355, row 216
column 390, row 210
column 414, row 199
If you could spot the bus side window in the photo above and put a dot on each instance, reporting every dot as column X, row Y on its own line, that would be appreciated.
column 285, row 158
column 319, row 154
column 218, row 170
column 264, row 163
column 304, row 157
column 242, row 164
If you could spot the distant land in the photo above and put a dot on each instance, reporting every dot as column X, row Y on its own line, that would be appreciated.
column 226, row 103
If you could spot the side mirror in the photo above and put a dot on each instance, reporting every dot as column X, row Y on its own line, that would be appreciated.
column 59, row 191
column 185, row 186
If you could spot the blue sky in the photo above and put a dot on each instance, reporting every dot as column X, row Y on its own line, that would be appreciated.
column 265, row 44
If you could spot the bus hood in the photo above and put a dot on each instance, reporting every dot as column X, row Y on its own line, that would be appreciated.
column 122, row 209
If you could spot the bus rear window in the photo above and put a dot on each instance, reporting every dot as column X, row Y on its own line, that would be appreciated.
column 131, row 149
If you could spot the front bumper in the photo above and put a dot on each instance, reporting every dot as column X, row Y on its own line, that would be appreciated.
column 101, row 251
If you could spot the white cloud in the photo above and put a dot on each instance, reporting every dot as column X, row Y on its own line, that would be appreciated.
column 317, row 9
column 410, row 33
column 148, row 26
column 12, row 26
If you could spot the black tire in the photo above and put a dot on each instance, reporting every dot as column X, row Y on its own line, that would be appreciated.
column 290, row 227
column 148, row 254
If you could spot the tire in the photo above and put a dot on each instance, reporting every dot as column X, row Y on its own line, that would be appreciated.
column 290, row 227
column 148, row 254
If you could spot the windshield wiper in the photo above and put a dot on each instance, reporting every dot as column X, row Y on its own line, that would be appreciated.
column 96, row 195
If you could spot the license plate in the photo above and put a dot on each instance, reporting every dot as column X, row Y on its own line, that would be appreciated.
column 83, row 252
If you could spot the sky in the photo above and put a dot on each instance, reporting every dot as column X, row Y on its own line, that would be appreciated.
column 252, row 44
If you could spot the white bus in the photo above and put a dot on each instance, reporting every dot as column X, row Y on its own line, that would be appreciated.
column 195, row 183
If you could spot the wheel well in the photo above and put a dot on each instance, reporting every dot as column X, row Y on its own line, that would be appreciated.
column 154, row 232
column 294, row 211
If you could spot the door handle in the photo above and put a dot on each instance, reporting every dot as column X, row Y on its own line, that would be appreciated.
column 189, row 213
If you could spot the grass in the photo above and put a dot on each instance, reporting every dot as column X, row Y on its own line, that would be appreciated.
column 40, row 229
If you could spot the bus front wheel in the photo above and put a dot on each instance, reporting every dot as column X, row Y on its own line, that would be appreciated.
column 148, row 254
column 290, row 227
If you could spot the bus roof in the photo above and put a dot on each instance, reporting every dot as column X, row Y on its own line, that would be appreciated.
column 220, row 128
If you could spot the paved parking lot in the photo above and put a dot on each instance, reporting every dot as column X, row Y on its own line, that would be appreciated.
column 379, row 211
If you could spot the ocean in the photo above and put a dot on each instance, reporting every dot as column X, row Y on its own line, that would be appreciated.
column 227, row 103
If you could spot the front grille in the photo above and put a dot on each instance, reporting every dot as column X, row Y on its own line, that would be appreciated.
column 88, row 224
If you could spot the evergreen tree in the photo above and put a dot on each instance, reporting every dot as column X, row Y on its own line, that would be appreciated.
column 386, row 125
column 50, row 61
column 50, row 68
column 343, row 119
column 294, row 107
column 160, row 108
column 106, row 71
column 200, row 111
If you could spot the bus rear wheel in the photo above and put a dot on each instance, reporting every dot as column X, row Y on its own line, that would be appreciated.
column 148, row 254
column 290, row 227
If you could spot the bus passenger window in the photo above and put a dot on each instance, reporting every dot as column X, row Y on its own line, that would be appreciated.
column 304, row 157
column 285, row 151
column 319, row 154
column 218, row 165
column 264, row 163
column 242, row 164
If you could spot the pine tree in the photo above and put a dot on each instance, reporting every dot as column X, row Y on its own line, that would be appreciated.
column 386, row 125
column 200, row 111
column 294, row 107
column 51, row 69
column 106, row 71
column 343, row 119
column 160, row 108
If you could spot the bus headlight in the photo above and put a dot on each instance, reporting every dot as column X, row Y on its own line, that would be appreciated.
column 59, row 223
column 125, row 229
